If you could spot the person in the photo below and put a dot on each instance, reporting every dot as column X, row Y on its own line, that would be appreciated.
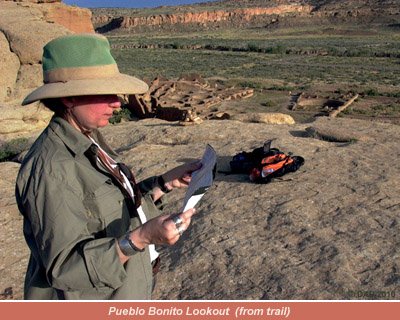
column 90, row 228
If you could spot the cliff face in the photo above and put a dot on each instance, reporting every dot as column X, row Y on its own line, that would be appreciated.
column 241, row 13
column 21, row 54
column 76, row 19
column 244, row 14
column 202, row 18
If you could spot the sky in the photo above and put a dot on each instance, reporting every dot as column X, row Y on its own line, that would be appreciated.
column 129, row 3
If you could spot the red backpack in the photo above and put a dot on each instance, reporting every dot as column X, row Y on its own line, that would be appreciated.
column 265, row 163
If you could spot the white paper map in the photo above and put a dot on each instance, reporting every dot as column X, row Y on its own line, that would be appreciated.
column 201, row 180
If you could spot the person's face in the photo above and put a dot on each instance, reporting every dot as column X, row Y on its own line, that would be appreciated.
column 91, row 112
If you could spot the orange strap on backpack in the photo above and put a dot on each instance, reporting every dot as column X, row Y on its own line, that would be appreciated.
column 273, row 163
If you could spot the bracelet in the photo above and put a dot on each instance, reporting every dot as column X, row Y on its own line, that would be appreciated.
column 133, row 246
column 161, row 183
column 127, row 246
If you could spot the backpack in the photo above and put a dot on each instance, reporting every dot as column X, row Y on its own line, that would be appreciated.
column 265, row 163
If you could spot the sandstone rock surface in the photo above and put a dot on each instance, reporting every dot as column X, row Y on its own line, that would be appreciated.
column 76, row 19
column 327, row 230
column 270, row 118
column 245, row 14
column 21, row 54
column 13, row 262
column 9, row 66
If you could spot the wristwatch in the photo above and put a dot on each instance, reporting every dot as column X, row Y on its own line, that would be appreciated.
column 127, row 246
column 161, row 183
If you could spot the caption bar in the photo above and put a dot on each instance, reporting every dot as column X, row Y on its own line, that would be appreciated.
column 204, row 310
column 190, row 311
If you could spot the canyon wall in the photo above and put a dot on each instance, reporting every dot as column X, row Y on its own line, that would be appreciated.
column 246, row 13
column 233, row 17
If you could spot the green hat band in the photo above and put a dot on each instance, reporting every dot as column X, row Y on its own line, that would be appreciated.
column 78, row 57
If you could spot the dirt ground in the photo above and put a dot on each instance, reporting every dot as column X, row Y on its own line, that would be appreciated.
column 318, row 103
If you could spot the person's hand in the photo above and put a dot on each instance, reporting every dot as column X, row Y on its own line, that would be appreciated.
column 180, row 176
column 162, row 230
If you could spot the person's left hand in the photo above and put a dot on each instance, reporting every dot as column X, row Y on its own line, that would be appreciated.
column 180, row 176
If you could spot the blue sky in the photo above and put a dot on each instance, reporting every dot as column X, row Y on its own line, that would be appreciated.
column 129, row 3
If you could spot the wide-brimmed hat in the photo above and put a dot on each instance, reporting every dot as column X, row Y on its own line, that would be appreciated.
column 80, row 65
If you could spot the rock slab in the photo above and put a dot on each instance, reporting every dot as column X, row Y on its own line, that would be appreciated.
column 327, row 230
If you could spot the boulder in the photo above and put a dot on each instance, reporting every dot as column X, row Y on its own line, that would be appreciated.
column 21, row 54
column 270, row 118
column 17, row 20
column 9, row 65
column 23, row 120
column 29, row 77
column 73, row 18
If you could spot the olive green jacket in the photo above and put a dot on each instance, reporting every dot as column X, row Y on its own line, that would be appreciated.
column 73, row 212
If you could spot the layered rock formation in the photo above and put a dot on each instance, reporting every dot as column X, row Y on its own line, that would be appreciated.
column 21, row 54
column 237, row 16
column 233, row 13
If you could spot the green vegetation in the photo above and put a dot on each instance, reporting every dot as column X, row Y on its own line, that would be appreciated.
column 269, row 104
column 123, row 115
column 10, row 149
column 339, row 59
column 387, row 110
column 302, row 57
column 296, row 71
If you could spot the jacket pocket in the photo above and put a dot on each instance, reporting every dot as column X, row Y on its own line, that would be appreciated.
column 107, row 211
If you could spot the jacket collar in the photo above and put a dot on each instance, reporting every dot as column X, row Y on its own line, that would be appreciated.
column 75, row 141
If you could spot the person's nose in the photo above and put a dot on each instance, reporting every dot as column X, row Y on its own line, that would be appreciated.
column 114, row 102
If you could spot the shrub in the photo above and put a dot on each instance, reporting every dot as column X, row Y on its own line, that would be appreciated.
column 253, row 47
column 10, row 149
column 335, row 52
column 269, row 104
column 249, row 84
column 279, row 49
column 340, row 91
column 394, row 94
column 349, row 110
column 281, row 88
column 371, row 92
column 176, row 45
column 123, row 114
